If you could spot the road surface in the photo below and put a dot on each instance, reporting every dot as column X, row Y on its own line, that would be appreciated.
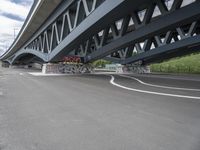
column 99, row 112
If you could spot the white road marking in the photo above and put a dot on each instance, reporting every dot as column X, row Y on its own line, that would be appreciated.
column 57, row 74
column 150, row 92
column 49, row 74
column 160, row 86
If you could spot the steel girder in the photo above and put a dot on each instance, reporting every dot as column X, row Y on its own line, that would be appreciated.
column 119, row 29
column 68, row 28
column 174, row 29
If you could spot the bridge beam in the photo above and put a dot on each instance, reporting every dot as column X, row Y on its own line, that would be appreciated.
column 190, row 43
column 118, row 28
column 165, row 23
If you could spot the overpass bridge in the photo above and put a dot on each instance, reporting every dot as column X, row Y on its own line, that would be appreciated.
column 123, row 31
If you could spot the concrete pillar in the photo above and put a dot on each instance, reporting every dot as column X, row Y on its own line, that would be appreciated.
column 44, row 70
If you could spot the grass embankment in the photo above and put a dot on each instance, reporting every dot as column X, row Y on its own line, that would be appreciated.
column 186, row 64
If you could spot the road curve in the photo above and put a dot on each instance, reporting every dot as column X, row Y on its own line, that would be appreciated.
column 88, row 113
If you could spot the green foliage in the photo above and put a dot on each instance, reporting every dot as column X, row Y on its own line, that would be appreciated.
column 186, row 64
column 100, row 63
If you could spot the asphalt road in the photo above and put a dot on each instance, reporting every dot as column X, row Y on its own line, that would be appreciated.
column 89, row 113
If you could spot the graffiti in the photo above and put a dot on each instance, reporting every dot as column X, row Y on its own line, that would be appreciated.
column 68, row 68
column 136, row 69
column 72, row 59
column 75, row 68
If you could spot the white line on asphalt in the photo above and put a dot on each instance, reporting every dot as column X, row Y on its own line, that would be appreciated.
column 160, row 86
column 149, row 92
column 55, row 74
column 43, row 74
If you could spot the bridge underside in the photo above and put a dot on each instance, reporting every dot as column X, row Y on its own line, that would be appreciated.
column 119, row 31
column 25, row 59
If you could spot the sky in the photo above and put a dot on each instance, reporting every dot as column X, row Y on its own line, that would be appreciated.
column 12, row 16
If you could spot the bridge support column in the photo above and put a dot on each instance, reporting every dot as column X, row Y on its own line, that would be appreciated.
column 67, row 68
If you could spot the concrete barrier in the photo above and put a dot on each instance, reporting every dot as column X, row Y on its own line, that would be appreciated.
column 136, row 69
column 67, row 68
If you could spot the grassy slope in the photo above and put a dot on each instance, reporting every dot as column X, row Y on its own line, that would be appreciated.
column 186, row 64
